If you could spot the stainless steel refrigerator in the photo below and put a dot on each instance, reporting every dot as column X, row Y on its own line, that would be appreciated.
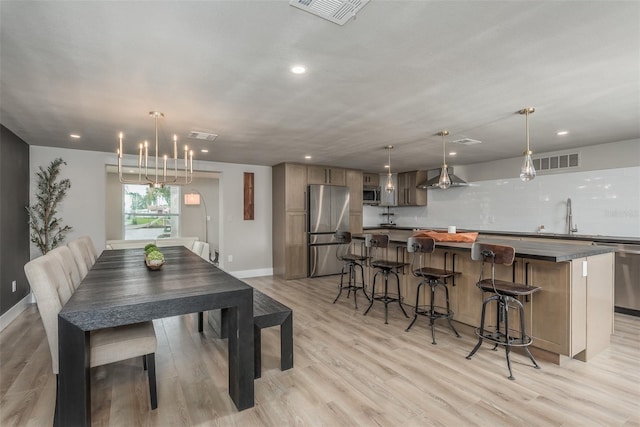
column 328, row 213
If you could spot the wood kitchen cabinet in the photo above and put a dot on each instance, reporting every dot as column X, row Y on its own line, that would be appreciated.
column 289, row 221
column 408, row 194
column 326, row 175
column 354, row 182
column 371, row 179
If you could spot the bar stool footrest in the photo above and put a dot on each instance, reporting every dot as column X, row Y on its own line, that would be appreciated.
column 437, row 313
column 500, row 338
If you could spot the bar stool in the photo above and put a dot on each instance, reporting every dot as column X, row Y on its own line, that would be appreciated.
column 351, row 263
column 418, row 247
column 385, row 268
column 506, row 297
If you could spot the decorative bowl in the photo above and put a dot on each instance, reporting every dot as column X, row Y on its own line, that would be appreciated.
column 153, row 264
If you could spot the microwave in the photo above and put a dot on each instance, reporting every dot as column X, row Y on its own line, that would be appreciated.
column 371, row 195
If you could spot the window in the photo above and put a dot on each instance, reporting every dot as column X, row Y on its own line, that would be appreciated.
column 151, row 213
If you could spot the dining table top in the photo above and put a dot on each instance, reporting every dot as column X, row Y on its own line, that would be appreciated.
column 120, row 289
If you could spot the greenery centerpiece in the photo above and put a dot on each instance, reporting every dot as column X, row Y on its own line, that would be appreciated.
column 47, row 230
column 153, row 257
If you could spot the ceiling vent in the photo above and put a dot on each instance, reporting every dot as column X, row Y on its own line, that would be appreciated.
column 336, row 11
column 467, row 141
column 202, row 135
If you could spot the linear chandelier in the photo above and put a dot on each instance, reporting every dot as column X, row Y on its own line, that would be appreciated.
column 158, row 178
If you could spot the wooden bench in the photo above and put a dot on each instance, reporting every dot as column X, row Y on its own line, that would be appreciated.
column 267, row 312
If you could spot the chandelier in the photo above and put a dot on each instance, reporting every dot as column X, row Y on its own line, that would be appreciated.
column 158, row 177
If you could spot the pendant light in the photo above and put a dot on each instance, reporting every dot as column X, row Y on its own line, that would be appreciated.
column 389, row 187
column 444, row 182
column 527, row 172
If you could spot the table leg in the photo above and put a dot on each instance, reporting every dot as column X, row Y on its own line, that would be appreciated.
column 241, row 352
column 74, row 391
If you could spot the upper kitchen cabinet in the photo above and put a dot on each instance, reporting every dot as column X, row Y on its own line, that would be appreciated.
column 371, row 179
column 408, row 194
column 354, row 182
column 326, row 175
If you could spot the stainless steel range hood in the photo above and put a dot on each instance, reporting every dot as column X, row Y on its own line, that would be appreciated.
column 433, row 182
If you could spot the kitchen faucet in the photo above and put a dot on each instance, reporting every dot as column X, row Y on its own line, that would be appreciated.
column 571, row 228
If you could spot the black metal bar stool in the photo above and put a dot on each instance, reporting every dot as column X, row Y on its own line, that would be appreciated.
column 386, row 269
column 352, row 263
column 505, row 294
column 418, row 247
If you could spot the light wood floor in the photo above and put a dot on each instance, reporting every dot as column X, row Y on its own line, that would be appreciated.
column 350, row 370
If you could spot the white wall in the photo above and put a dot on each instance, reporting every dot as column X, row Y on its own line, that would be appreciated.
column 605, row 201
column 248, row 242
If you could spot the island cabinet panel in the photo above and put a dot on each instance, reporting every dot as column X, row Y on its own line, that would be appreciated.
column 549, row 310
column 599, row 309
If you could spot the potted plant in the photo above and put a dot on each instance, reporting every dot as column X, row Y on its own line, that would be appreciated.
column 47, row 230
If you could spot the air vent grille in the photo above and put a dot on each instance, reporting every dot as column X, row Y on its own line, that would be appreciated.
column 336, row 11
column 562, row 161
column 203, row 135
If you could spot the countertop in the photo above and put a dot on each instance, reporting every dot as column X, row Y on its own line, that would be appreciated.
column 543, row 250
column 559, row 236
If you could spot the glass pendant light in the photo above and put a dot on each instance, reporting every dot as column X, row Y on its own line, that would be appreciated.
column 444, row 182
column 527, row 172
column 389, row 187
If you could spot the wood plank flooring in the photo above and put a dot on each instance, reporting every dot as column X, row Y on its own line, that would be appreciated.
column 349, row 370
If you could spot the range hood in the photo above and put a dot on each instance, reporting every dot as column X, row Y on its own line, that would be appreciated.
column 433, row 182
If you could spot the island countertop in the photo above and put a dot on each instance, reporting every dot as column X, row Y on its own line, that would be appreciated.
column 542, row 250
column 556, row 236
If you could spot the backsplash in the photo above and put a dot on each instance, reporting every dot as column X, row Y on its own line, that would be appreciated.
column 604, row 202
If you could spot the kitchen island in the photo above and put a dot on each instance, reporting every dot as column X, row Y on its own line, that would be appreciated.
column 572, row 315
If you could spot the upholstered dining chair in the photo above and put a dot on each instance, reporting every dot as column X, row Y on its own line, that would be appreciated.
column 52, row 289
column 82, row 255
column 68, row 261
column 88, row 243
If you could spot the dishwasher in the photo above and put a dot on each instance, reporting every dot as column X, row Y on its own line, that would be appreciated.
column 627, row 278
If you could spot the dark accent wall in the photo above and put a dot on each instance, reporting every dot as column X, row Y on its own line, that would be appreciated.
column 14, row 226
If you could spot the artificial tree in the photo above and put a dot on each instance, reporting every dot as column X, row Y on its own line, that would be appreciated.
column 47, row 230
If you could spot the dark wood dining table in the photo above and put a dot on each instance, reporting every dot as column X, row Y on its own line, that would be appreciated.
column 120, row 290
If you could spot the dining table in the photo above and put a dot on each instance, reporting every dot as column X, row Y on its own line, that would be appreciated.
column 121, row 290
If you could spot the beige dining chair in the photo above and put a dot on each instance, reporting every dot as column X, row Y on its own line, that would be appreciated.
column 82, row 255
column 88, row 243
column 66, row 258
column 51, row 287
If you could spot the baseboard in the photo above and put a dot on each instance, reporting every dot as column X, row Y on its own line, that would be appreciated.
column 258, row 272
column 14, row 311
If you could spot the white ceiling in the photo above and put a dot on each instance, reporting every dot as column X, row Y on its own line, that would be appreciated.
column 397, row 74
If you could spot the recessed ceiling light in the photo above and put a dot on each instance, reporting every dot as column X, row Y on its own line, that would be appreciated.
column 204, row 150
column 452, row 153
column 562, row 132
column 386, row 166
column 75, row 136
column 298, row 69
column 307, row 157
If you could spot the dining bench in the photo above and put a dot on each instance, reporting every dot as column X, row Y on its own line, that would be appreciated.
column 267, row 312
